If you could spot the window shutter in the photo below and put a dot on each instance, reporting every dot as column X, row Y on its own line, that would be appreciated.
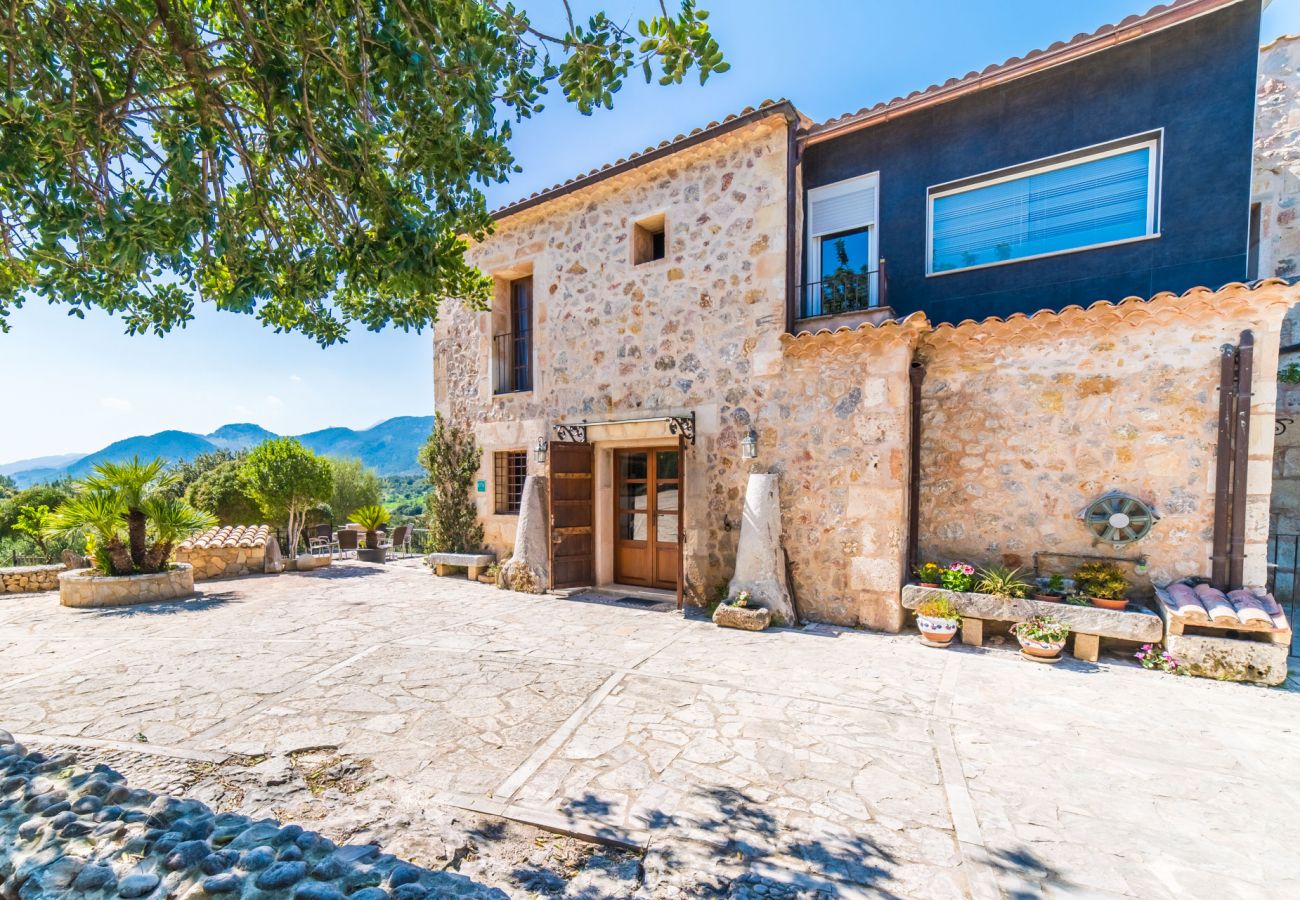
column 842, row 208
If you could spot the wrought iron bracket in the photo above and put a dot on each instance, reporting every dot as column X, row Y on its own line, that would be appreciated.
column 571, row 434
column 683, row 425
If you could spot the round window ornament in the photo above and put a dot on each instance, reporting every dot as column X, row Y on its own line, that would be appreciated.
column 1118, row 518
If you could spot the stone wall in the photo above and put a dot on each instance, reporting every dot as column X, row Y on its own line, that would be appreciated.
column 223, row 562
column 1277, row 189
column 695, row 331
column 29, row 579
column 1026, row 421
column 79, row 588
column 835, row 424
column 1276, row 184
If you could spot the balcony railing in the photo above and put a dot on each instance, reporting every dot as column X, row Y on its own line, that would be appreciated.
column 512, row 362
column 845, row 293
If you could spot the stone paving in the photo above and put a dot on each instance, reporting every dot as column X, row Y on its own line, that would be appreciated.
column 382, row 704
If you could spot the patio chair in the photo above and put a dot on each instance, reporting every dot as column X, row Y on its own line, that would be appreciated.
column 347, row 541
column 325, row 534
column 401, row 539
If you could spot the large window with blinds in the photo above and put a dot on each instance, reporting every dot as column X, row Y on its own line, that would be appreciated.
column 1079, row 201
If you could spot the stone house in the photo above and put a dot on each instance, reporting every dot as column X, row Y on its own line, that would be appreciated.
column 942, row 351
column 230, row 550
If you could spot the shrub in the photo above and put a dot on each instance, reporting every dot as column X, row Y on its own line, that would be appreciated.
column 355, row 485
column 1102, row 580
column 451, row 458
column 220, row 491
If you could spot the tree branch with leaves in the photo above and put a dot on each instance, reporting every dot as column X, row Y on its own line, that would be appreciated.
column 319, row 164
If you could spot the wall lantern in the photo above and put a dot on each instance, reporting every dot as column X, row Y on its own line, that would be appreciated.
column 749, row 445
column 539, row 452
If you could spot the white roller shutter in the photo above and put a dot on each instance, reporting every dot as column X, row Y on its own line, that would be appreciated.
column 842, row 206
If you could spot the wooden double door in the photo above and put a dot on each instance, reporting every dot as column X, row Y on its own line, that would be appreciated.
column 647, row 517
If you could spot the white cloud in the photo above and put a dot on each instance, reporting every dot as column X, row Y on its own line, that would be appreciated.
column 295, row 377
column 115, row 404
column 272, row 400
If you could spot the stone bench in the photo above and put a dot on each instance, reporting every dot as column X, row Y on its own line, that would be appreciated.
column 443, row 563
column 1088, row 624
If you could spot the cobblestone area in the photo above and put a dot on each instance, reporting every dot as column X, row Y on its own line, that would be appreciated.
column 460, row 728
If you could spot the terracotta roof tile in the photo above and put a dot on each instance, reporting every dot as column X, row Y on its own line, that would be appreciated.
column 774, row 106
column 229, row 536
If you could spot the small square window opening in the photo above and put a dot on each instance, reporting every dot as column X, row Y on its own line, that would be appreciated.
column 649, row 240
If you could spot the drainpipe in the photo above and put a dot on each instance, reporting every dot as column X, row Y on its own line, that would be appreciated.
column 1241, row 461
column 791, row 211
column 917, row 377
column 1223, row 468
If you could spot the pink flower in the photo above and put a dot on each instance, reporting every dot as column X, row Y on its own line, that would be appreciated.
column 968, row 570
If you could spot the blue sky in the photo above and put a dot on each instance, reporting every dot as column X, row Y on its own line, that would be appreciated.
column 77, row 385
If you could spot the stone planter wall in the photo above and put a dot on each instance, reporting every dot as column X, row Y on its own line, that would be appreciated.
column 223, row 562
column 29, row 579
column 79, row 589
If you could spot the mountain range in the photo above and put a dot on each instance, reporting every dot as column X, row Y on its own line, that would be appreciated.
column 389, row 448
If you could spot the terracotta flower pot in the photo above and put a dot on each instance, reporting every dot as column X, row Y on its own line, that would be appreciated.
column 1041, row 649
column 937, row 631
column 1107, row 603
column 1048, row 598
column 929, row 584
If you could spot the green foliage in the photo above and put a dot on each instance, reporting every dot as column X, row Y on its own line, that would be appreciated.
column 8, row 487
column 1102, row 580
column 938, row 607
column 370, row 518
column 1289, row 374
column 50, row 495
column 286, row 480
column 404, row 496
column 451, row 458
column 186, row 472
column 34, row 521
column 317, row 165
column 129, row 512
column 355, row 485
column 220, row 491
column 1046, row 629
column 1001, row 581
column 1056, row 584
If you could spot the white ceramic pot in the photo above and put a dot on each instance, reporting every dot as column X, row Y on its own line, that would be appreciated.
column 936, row 631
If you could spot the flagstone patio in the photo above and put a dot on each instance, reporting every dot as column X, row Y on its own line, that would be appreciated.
column 819, row 759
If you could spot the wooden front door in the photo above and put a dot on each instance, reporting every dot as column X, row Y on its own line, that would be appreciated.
column 647, row 517
column 572, row 500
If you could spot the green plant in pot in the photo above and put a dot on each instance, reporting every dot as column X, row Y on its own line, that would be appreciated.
column 1103, row 584
column 1052, row 589
column 937, row 618
column 1042, row 637
column 1003, row 582
column 370, row 518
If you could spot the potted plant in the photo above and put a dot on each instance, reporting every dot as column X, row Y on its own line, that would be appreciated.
column 1103, row 584
column 370, row 518
column 1041, row 638
column 937, row 618
column 928, row 574
column 1003, row 582
column 1051, row 589
column 959, row 576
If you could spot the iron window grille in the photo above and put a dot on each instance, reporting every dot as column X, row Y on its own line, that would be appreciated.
column 511, row 468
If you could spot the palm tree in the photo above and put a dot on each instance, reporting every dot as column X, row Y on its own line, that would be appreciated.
column 128, row 512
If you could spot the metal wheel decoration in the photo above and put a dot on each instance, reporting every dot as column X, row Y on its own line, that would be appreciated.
column 1119, row 518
